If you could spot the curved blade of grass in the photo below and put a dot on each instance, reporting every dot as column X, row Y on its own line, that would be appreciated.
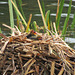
column 47, row 18
column 20, row 8
column 19, row 13
column 11, row 14
column 59, row 13
column 73, row 22
column 43, row 18
column 67, row 19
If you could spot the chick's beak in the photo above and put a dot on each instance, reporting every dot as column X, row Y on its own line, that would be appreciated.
column 33, row 32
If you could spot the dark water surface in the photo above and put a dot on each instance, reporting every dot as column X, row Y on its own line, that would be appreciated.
column 31, row 7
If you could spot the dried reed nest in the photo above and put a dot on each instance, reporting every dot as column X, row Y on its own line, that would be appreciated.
column 20, row 55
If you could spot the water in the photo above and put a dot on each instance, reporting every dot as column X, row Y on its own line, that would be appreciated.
column 31, row 7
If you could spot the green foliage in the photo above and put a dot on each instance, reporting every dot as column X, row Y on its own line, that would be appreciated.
column 11, row 14
column 43, row 8
column 33, row 26
column 47, row 19
column 20, row 8
column 47, row 16
column 59, row 14
column 73, row 22
column 17, row 15
column 67, row 19
column 0, row 30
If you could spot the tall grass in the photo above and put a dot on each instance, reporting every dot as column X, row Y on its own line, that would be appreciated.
column 73, row 22
column 67, row 19
column 73, row 26
column 43, row 7
column 20, row 8
column 45, row 16
column 59, row 14
column 19, row 13
column 11, row 14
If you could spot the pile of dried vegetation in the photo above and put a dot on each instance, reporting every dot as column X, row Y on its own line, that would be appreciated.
column 50, row 55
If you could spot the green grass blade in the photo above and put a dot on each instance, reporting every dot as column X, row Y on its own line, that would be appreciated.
column 20, row 8
column 43, row 18
column 59, row 14
column 33, row 26
column 0, row 30
column 73, row 23
column 67, row 19
column 47, row 16
column 43, row 8
column 19, row 13
column 11, row 14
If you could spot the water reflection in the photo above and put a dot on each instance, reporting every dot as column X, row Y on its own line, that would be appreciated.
column 3, row 2
column 1, row 13
column 73, row 0
column 65, row 5
column 62, row 15
column 70, row 40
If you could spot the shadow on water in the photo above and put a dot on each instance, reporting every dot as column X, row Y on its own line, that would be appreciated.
column 31, row 7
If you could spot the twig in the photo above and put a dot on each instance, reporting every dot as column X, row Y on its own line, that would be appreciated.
column 3, row 48
column 51, row 34
column 6, row 69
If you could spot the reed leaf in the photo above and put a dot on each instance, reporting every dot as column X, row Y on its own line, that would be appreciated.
column 11, row 14
column 67, row 19
column 19, row 13
column 43, row 18
column 57, row 9
column 20, row 8
column 73, row 22
column 0, row 30
column 43, row 8
column 59, row 14
column 47, row 18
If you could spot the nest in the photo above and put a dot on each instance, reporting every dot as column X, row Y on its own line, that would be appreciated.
column 20, row 55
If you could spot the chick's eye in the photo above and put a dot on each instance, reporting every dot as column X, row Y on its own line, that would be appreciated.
column 32, row 31
column 35, row 32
